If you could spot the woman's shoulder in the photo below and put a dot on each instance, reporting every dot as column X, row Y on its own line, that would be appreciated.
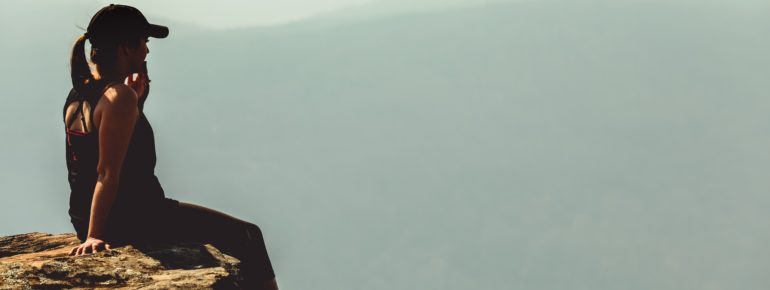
column 119, row 94
column 94, row 91
column 118, row 100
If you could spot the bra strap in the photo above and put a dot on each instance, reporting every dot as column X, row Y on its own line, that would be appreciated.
column 84, row 98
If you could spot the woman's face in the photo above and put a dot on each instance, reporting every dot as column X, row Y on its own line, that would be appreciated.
column 138, row 55
column 143, row 47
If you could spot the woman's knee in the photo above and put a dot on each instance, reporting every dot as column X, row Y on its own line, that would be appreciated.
column 253, row 232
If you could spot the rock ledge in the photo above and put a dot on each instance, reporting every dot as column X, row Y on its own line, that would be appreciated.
column 41, row 261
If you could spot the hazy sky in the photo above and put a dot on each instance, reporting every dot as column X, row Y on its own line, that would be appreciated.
column 240, row 13
column 235, row 13
column 552, row 144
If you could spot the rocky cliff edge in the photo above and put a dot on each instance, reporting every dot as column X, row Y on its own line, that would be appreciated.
column 41, row 261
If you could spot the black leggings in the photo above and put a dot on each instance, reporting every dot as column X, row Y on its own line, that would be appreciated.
column 183, row 222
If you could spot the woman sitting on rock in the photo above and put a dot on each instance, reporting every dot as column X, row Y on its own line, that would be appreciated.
column 115, row 196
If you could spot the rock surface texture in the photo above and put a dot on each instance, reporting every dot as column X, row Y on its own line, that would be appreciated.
column 41, row 261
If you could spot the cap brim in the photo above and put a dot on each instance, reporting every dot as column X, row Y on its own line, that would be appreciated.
column 157, row 31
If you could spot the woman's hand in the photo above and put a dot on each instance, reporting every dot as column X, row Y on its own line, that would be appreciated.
column 92, row 245
column 140, row 84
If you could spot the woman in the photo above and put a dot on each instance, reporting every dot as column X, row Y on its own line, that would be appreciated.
column 115, row 196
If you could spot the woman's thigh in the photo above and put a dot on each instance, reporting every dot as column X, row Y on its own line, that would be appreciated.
column 194, row 223
column 187, row 222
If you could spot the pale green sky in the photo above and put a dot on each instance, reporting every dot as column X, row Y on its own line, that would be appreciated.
column 552, row 144
column 241, row 13
column 237, row 13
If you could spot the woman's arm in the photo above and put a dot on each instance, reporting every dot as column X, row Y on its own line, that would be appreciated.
column 118, row 118
column 115, row 129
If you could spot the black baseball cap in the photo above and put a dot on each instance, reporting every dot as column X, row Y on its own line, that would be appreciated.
column 121, row 21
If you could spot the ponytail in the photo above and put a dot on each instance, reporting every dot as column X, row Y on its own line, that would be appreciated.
column 79, row 70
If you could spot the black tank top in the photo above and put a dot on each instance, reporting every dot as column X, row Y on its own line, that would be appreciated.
column 138, row 190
